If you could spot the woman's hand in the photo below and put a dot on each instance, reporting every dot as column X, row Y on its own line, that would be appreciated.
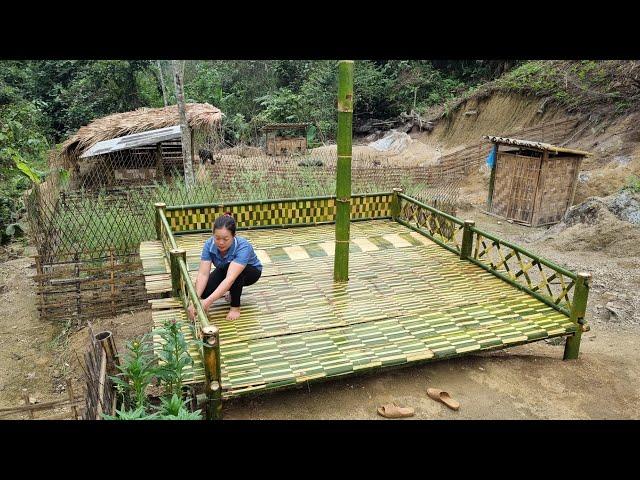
column 191, row 311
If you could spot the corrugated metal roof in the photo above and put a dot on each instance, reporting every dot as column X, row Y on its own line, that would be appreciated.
column 150, row 137
column 534, row 145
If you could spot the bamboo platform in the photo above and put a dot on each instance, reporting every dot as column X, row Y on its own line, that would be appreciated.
column 407, row 300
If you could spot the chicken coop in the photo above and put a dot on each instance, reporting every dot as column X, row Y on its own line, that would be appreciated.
column 286, row 138
column 532, row 183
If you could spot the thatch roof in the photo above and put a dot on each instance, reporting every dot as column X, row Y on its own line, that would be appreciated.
column 199, row 116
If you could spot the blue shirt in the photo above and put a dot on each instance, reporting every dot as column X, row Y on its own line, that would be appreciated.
column 240, row 252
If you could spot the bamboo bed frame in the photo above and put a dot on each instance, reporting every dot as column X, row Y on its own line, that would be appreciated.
column 423, row 286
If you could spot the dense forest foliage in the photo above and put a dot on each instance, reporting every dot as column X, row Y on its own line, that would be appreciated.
column 42, row 102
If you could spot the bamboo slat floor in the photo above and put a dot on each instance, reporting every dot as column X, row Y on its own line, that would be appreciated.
column 407, row 300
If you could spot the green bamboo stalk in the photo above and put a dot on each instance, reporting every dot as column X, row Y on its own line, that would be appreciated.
column 343, row 171
column 213, row 375
column 174, row 255
column 578, row 310
column 191, row 293
column 395, row 204
column 160, row 207
column 467, row 240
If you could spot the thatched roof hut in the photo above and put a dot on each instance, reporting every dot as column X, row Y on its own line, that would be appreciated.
column 200, row 116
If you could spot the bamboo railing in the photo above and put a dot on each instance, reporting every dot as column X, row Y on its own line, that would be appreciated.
column 182, row 288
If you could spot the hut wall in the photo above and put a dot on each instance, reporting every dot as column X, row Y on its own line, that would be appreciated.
column 555, row 189
column 515, row 186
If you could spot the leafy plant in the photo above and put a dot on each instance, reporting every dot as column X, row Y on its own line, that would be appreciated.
column 174, row 355
column 138, row 413
column 137, row 371
column 174, row 408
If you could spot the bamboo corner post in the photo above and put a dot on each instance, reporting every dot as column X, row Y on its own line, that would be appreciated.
column 175, row 255
column 343, row 170
column 578, row 310
column 160, row 209
column 467, row 239
column 108, row 344
column 395, row 204
column 211, row 360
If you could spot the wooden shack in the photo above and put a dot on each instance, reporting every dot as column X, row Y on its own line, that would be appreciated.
column 279, row 142
column 532, row 183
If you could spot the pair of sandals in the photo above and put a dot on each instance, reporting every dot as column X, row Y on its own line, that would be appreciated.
column 391, row 410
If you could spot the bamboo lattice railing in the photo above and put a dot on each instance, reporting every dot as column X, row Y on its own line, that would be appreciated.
column 546, row 281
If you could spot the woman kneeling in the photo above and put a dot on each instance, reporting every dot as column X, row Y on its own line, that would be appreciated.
column 236, row 266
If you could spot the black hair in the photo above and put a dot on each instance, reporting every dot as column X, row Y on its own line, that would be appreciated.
column 225, row 221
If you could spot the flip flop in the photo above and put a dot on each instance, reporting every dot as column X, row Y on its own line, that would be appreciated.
column 391, row 410
column 444, row 397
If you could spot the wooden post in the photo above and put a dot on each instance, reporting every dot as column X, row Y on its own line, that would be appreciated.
column 578, row 310
column 395, row 204
column 113, row 285
column 160, row 208
column 72, row 399
column 343, row 170
column 159, row 162
column 76, row 259
column 492, row 180
column 25, row 396
column 467, row 240
column 211, row 360
column 175, row 254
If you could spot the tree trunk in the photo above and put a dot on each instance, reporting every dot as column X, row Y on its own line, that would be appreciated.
column 184, row 126
column 164, row 90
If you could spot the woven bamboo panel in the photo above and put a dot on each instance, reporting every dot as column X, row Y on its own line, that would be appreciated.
column 407, row 300
column 515, row 186
column 288, row 212
column 555, row 189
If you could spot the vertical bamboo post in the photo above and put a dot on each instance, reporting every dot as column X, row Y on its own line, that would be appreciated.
column 395, row 204
column 175, row 254
column 109, row 346
column 72, row 399
column 211, row 360
column 113, row 285
column 492, row 180
column 467, row 240
column 160, row 209
column 40, row 272
column 343, row 171
column 578, row 310
column 76, row 259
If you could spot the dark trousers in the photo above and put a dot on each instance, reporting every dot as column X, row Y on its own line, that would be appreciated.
column 248, row 276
